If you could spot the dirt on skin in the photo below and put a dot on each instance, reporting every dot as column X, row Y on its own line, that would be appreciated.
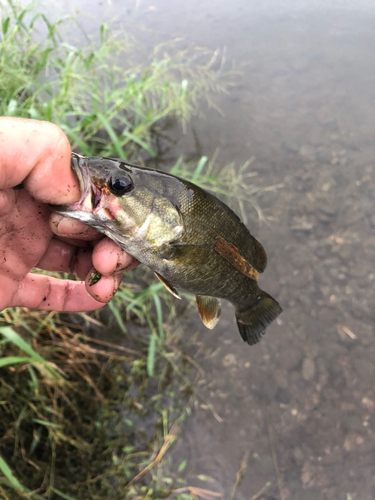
column 300, row 406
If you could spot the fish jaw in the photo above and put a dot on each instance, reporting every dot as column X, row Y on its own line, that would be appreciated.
column 92, row 207
column 97, row 207
column 90, row 194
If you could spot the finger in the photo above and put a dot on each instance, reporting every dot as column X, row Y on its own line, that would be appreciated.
column 7, row 201
column 105, row 288
column 70, row 228
column 75, row 243
column 52, row 294
column 37, row 154
column 107, row 258
column 65, row 258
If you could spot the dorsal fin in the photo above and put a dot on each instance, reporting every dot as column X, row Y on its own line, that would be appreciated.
column 231, row 254
column 167, row 285
column 209, row 310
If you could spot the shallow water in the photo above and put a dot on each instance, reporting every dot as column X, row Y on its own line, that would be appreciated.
column 300, row 405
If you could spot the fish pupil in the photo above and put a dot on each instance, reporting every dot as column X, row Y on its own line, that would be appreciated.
column 120, row 185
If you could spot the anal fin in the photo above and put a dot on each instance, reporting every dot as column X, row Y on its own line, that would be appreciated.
column 168, row 286
column 209, row 310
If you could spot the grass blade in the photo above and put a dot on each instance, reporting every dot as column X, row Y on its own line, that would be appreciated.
column 5, row 25
column 139, row 141
column 112, row 134
column 62, row 495
column 198, row 170
column 13, row 337
column 12, row 360
column 13, row 481
column 118, row 317
column 159, row 315
column 151, row 355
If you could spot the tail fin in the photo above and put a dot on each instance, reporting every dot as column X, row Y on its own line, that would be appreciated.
column 252, row 322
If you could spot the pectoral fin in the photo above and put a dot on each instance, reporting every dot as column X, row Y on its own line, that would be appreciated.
column 168, row 286
column 209, row 310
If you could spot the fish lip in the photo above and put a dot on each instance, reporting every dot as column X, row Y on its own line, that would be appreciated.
column 91, row 195
column 82, row 174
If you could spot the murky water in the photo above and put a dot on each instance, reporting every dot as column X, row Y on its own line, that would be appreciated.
column 300, row 406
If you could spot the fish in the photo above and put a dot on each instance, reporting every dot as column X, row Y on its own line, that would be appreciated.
column 191, row 240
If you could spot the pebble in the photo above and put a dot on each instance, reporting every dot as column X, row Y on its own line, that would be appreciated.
column 229, row 360
column 351, row 441
column 368, row 403
column 308, row 369
column 306, row 473
column 298, row 455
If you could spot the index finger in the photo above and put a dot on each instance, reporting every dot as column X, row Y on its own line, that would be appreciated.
column 37, row 154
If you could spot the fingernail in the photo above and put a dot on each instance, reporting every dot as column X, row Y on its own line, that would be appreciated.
column 118, row 279
column 66, row 226
column 125, row 261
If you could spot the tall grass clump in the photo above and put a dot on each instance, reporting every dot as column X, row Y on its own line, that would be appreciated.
column 106, row 102
column 81, row 418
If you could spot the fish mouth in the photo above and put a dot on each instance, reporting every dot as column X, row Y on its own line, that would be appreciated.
column 91, row 195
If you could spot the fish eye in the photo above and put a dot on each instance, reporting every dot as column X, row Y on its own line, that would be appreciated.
column 120, row 185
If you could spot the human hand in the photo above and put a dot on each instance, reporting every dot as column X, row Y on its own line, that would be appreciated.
column 37, row 154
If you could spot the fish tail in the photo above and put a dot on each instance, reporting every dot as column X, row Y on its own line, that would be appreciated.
column 252, row 322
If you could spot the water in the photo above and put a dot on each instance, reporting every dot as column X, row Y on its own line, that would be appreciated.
column 300, row 406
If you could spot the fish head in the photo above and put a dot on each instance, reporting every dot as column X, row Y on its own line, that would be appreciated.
column 123, row 202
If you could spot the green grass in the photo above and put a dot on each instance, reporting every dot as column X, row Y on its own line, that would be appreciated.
column 105, row 103
column 91, row 424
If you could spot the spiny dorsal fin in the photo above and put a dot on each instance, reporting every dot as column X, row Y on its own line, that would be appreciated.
column 209, row 310
column 167, row 285
column 231, row 254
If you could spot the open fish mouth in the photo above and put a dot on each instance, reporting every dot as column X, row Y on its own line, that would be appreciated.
column 91, row 195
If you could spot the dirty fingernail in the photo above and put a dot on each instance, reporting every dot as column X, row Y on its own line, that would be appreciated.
column 125, row 261
column 66, row 226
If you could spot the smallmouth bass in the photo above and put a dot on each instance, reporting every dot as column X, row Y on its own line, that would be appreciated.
column 189, row 238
